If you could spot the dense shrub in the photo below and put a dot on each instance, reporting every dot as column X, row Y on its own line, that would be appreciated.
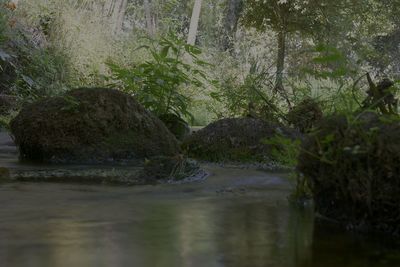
column 305, row 115
column 351, row 165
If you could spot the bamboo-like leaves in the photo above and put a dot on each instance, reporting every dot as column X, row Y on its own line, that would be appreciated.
column 159, row 84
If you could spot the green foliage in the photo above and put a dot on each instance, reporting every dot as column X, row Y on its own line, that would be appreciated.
column 351, row 163
column 235, row 95
column 41, row 73
column 159, row 83
column 333, row 95
column 78, row 37
column 304, row 115
column 4, row 32
column 3, row 24
column 29, row 71
column 302, row 192
column 284, row 150
column 329, row 62
column 289, row 16
column 328, row 79
column 5, row 120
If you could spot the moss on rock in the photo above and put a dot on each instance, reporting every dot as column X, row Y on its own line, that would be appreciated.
column 90, row 125
column 352, row 167
column 236, row 139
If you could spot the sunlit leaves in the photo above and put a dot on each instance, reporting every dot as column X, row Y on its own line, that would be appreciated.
column 159, row 83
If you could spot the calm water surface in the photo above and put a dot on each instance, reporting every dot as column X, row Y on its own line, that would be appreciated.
column 234, row 218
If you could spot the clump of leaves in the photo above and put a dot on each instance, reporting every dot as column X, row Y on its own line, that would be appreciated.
column 29, row 71
column 3, row 34
column 305, row 115
column 284, row 150
column 159, row 83
column 3, row 22
column 5, row 120
column 329, row 62
column 248, row 96
column 41, row 73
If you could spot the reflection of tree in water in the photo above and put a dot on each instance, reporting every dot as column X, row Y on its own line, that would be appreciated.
column 179, row 234
column 156, row 235
column 301, row 229
column 226, row 232
column 259, row 234
column 333, row 246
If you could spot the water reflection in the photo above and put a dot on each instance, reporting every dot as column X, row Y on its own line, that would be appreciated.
column 257, row 234
column 352, row 249
column 45, row 227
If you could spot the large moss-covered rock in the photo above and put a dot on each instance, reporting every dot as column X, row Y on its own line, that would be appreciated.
column 236, row 139
column 352, row 167
column 90, row 126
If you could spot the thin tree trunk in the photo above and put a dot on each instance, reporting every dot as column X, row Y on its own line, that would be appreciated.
column 121, row 16
column 149, row 19
column 280, row 66
column 194, row 22
column 115, row 13
column 118, row 14
column 231, row 21
column 108, row 7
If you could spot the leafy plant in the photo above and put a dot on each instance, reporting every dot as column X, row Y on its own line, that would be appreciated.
column 284, row 150
column 159, row 83
column 3, row 34
column 29, row 71
column 3, row 22
column 41, row 73
column 239, row 96
column 5, row 120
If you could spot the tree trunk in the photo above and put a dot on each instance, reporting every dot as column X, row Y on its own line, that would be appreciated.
column 149, row 19
column 118, row 14
column 280, row 65
column 108, row 7
column 194, row 22
column 231, row 21
column 121, row 16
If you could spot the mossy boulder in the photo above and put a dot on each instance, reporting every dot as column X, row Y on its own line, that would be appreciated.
column 305, row 115
column 90, row 125
column 237, row 140
column 176, row 125
column 352, row 167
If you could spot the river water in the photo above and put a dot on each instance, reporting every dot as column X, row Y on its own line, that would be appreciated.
column 237, row 217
